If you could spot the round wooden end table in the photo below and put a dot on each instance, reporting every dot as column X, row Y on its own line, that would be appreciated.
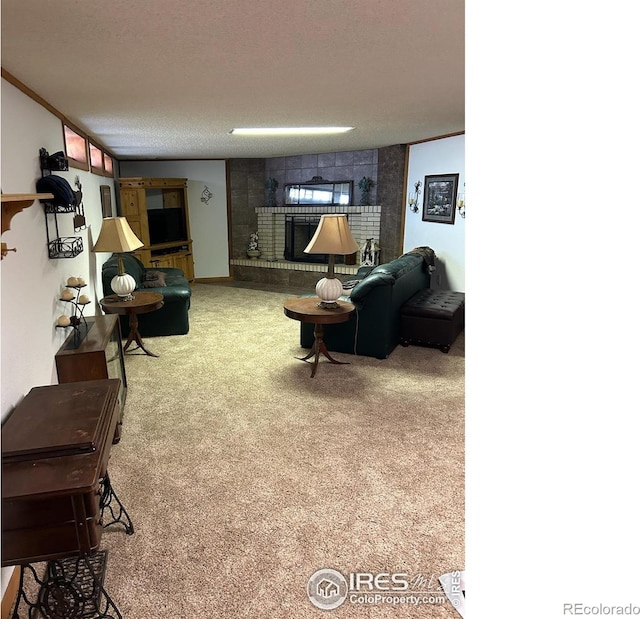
column 305, row 309
column 142, row 303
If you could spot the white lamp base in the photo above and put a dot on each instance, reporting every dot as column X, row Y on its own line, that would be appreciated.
column 123, row 286
column 329, row 290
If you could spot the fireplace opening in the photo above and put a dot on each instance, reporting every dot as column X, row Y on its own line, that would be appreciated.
column 298, row 232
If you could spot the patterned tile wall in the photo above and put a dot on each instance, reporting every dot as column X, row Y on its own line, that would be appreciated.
column 342, row 166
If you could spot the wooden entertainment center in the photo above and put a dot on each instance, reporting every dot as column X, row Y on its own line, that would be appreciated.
column 167, row 241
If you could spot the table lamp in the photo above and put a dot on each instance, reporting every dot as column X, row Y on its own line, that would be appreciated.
column 332, row 236
column 116, row 236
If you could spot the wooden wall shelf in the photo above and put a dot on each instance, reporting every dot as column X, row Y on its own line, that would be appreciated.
column 12, row 204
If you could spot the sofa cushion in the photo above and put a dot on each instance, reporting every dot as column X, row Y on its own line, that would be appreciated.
column 154, row 279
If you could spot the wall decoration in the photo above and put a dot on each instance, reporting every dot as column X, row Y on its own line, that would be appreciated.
column 105, row 200
column 365, row 184
column 206, row 195
column 79, row 221
column 440, row 194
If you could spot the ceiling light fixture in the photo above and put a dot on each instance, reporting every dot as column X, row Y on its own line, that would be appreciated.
column 289, row 130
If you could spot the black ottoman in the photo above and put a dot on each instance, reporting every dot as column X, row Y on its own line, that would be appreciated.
column 432, row 318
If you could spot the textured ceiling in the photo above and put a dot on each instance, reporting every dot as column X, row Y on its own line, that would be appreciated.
column 169, row 79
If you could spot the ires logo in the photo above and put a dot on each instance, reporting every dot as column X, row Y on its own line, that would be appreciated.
column 384, row 581
column 328, row 589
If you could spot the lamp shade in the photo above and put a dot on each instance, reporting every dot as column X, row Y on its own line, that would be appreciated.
column 116, row 236
column 332, row 236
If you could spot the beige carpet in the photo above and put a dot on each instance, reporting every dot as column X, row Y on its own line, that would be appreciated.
column 244, row 476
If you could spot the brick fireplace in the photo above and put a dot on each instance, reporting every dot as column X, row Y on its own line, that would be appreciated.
column 247, row 190
column 364, row 222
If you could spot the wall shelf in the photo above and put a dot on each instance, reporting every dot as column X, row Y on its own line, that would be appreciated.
column 59, row 246
column 12, row 204
column 65, row 247
column 51, row 208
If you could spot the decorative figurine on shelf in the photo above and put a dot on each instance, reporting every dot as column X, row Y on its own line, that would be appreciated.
column 253, row 251
column 365, row 184
column 271, row 186
column 369, row 253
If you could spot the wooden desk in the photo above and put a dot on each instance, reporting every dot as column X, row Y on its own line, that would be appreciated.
column 305, row 309
column 55, row 450
column 142, row 303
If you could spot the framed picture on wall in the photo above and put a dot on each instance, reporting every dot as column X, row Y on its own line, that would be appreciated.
column 105, row 200
column 440, row 193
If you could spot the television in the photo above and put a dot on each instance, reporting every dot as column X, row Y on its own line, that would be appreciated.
column 166, row 225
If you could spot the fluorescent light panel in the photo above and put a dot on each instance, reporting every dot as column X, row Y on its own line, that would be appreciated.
column 288, row 130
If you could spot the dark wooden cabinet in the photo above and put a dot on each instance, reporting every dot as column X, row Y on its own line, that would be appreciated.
column 55, row 450
column 96, row 355
column 57, row 497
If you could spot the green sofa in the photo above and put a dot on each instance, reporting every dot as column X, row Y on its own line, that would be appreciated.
column 173, row 317
column 373, row 330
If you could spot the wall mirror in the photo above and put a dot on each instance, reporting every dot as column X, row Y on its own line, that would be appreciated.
column 319, row 191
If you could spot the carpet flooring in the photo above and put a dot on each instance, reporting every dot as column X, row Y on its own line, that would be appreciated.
column 243, row 476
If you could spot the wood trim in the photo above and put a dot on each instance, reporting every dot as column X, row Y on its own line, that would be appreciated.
column 27, row 91
column 212, row 280
column 10, row 593
column 227, row 180
column 440, row 137
column 405, row 193
column 12, row 79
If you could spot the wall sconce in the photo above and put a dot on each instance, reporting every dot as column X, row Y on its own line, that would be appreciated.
column 414, row 198
column 460, row 204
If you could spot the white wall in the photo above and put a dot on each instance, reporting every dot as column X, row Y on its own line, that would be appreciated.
column 445, row 156
column 208, row 222
column 30, row 282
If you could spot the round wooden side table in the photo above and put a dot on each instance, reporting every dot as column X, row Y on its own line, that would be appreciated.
column 305, row 309
column 142, row 303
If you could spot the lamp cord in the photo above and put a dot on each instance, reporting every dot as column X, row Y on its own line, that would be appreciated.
column 355, row 339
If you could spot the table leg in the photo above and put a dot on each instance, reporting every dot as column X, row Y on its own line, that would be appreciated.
column 134, row 336
column 111, row 506
column 319, row 347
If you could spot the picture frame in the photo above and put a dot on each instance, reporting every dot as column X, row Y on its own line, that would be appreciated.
column 440, row 195
column 105, row 200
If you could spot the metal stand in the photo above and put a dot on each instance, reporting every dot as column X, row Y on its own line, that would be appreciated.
column 110, row 503
column 70, row 589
